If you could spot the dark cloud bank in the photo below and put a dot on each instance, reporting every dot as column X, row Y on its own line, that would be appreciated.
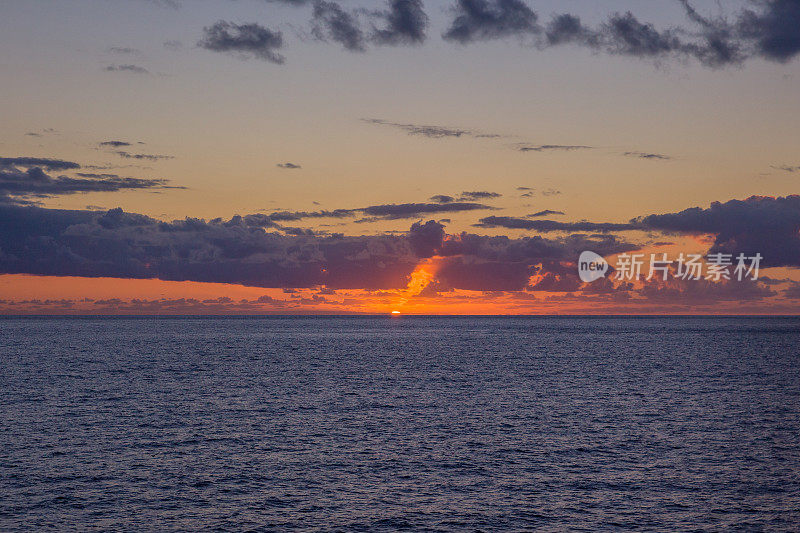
column 243, row 251
column 250, row 250
column 760, row 224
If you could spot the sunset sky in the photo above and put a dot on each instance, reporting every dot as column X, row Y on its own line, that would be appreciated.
column 445, row 156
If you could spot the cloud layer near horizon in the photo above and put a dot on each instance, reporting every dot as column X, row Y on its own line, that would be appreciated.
column 259, row 250
column 242, row 251
column 246, row 250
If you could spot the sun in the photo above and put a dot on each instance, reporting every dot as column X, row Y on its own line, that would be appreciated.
column 395, row 313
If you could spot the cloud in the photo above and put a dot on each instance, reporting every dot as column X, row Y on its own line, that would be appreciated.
column 402, row 22
column 719, row 46
column 482, row 20
column 434, row 132
column 49, row 164
column 760, row 224
column 288, row 166
column 557, row 282
column 786, row 168
column 115, row 144
column 766, row 225
column 792, row 291
column 442, row 199
column 398, row 211
column 500, row 263
column 405, row 23
column 544, row 213
column 566, row 28
column 125, row 245
column 426, row 239
column 479, row 195
column 41, row 133
column 771, row 31
column 332, row 23
column 123, row 50
column 243, row 39
column 774, row 31
column 135, row 69
column 146, row 157
column 95, row 176
column 24, row 178
column 524, row 147
column 244, row 250
column 703, row 291
column 373, row 212
column 552, row 225
column 626, row 35
column 174, row 4
column 240, row 251
column 646, row 155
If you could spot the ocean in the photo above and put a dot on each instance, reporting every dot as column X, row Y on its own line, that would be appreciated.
column 399, row 423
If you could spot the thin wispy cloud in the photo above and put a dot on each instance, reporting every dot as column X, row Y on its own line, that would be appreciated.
column 24, row 180
column 647, row 155
column 381, row 211
column 479, row 195
column 134, row 69
column 432, row 131
column 545, row 226
column 442, row 199
column 787, row 168
column 41, row 133
column 145, row 157
column 114, row 144
column 544, row 213
column 123, row 50
column 525, row 147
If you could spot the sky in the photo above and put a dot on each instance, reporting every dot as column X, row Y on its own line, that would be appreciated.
column 438, row 156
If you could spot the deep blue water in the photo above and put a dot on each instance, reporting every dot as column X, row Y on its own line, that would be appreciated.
column 381, row 424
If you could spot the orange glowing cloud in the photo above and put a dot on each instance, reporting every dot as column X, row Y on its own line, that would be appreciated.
column 420, row 278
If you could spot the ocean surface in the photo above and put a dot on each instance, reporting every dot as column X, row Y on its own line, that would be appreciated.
column 409, row 423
